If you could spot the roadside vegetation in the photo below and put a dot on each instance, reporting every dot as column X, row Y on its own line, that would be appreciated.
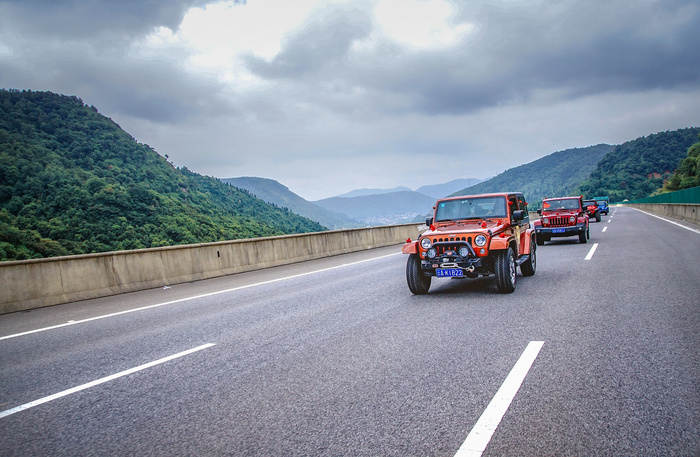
column 73, row 182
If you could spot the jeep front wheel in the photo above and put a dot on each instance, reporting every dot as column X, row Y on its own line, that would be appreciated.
column 583, row 236
column 418, row 283
column 504, row 266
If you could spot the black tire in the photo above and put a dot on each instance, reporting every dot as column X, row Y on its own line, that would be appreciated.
column 597, row 216
column 528, row 267
column 540, row 241
column 504, row 264
column 418, row 283
column 584, row 236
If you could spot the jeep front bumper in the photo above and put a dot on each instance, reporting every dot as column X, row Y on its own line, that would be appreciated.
column 551, row 232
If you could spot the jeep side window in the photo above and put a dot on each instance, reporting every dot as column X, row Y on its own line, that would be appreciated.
column 523, row 206
column 513, row 203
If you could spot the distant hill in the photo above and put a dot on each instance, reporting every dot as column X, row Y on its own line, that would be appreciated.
column 72, row 182
column 442, row 190
column 363, row 192
column 556, row 174
column 273, row 192
column 432, row 190
column 638, row 168
column 380, row 209
column 357, row 208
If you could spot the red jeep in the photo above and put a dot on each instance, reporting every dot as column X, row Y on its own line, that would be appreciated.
column 592, row 210
column 473, row 236
column 565, row 216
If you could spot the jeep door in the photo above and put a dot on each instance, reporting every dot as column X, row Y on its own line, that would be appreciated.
column 517, row 202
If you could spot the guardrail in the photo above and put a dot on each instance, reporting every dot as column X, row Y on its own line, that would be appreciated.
column 29, row 284
column 685, row 212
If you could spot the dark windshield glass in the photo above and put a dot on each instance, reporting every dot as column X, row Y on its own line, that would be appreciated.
column 560, row 203
column 471, row 208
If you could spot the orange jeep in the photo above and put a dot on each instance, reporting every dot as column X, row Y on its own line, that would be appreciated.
column 471, row 236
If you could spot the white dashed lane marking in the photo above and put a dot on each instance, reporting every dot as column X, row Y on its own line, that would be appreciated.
column 591, row 252
column 97, row 382
column 483, row 430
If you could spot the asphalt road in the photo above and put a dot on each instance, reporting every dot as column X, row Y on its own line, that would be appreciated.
column 336, row 357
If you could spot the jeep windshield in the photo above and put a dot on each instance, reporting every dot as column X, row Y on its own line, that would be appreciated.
column 566, row 204
column 471, row 208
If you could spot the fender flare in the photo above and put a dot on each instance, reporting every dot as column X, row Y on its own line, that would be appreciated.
column 410, row 248
column 499, row 243
column 530, row 234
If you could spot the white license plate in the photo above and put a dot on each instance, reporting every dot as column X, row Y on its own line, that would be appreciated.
column 449, row 272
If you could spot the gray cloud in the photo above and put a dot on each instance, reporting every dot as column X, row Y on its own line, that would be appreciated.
column 81, row 47
column 321, row 45
column 76, row 19
column 585, row 48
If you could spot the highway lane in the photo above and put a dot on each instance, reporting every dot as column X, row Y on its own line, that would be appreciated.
column 346, row 361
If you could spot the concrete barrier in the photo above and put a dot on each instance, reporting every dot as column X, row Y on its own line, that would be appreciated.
column 29, row 284
column 685, row 212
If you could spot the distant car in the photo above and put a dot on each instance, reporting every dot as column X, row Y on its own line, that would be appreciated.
column 591, row 207
column 472, row 236
column 603, row 204
column 561, row 217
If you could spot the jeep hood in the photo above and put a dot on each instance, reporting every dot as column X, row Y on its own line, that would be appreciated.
column 462, row 227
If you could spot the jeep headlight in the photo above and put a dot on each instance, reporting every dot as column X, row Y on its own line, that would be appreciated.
column 480, row 240
column 432, row 253
column 425, row 243
column 463, row 251
column 545, row 221
column 572, row 219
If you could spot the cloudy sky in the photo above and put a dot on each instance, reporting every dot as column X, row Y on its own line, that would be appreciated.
column 327, row 96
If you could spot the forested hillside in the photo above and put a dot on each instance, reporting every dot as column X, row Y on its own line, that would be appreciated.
column 688, row 173
column 637, row 168
column 557, row 174
column 72, row 181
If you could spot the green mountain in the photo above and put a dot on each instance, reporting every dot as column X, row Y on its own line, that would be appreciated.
column 688, row 173
column 637, row 168
column 273, row 192
column 73, row 182
column 557, row 174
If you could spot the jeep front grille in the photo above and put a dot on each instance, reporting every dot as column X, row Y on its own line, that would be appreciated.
column 559, row 221
column 453, row 244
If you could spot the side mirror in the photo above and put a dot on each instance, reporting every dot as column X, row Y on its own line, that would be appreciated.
column 518, row 215
column 429, row 221
column 539, row 211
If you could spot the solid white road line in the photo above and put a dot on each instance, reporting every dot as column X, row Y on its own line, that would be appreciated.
column 40, row 401
column 591, row 252
column 669, row 221
column 7, row 337
column 481, row 434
